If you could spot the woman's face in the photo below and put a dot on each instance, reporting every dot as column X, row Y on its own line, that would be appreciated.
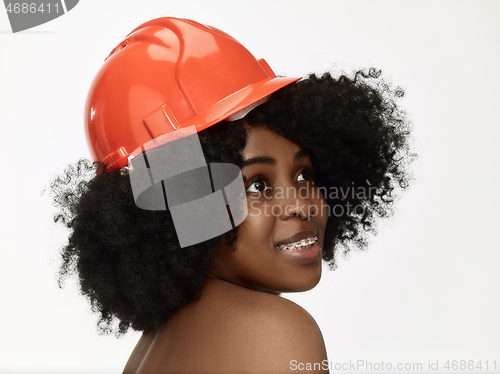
column 284, row 207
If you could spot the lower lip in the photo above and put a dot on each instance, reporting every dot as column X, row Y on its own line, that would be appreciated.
column 304, row 256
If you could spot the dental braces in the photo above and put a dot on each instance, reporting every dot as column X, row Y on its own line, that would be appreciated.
column 300, row 243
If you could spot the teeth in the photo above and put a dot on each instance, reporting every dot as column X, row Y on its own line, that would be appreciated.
column 301, row 244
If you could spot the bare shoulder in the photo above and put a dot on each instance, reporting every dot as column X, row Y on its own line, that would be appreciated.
column 139, row 353
column 278, row 315
column 276, row 330
column 231, row 329
column 288, row 333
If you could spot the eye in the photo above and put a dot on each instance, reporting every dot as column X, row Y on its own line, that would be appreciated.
column 305, row 175
column 257, row 185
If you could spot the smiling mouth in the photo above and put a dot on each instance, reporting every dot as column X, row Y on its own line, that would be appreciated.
column 301, row 244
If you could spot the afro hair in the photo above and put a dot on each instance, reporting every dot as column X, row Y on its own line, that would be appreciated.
column 129, row 262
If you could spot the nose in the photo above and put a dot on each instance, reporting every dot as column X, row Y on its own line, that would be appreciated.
column 298, row 206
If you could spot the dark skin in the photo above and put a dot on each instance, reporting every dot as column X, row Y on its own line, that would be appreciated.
column 241, row 324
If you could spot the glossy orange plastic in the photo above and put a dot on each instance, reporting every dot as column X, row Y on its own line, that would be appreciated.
column 168, row 74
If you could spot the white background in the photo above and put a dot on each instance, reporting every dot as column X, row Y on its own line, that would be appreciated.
column 428, row 288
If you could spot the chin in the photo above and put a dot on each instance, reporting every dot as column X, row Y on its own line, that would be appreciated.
column 304, row 282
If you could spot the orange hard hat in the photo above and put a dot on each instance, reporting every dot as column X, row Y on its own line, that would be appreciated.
column 169, row 74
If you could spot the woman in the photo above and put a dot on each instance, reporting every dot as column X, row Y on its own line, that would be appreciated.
column 319, row 159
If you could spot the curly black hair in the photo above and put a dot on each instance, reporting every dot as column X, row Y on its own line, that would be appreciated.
column 128, row 260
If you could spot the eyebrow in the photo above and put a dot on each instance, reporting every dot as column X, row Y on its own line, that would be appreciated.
column 269, row 160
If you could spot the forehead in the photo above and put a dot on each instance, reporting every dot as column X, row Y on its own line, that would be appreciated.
column 263, row 142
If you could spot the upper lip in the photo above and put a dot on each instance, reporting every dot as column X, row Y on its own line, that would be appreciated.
column 299, row 236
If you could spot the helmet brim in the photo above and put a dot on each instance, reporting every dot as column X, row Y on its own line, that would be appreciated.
column 236, row 102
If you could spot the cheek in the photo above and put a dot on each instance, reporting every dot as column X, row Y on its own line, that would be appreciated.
column 259, row 208
column 259, row 222
column 323, row 210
